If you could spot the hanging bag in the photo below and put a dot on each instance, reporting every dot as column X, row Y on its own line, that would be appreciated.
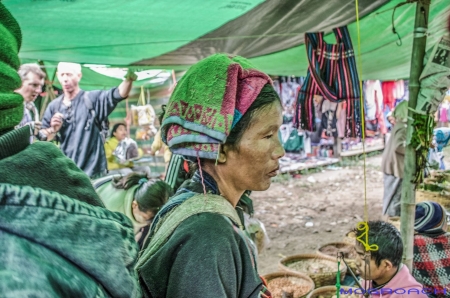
column 126, row 150
column 294, row 143
column 143, row 114
column 332, row 73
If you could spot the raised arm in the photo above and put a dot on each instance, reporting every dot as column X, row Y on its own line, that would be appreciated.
column 105, row 101
column 125, row 86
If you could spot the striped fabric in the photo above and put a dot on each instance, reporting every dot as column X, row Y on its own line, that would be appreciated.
column 332, row 73
column 173, row 170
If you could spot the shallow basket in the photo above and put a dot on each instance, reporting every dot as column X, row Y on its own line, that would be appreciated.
column 351, row 262
column 438, row 197
column 320, row 279
column 302, row 278
column 327, row 292
column 395, row 221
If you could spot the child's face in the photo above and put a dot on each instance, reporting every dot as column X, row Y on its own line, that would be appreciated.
column 376, row 273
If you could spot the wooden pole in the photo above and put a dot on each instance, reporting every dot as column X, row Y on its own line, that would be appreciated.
column 49, row 91
column 408, row 200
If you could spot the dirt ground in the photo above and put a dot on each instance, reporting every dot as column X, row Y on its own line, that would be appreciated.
column 332, row 199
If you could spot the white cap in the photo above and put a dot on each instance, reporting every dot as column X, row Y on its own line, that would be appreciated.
column 69, row 66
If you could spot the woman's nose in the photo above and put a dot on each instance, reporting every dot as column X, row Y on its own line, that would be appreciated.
column 279, row 150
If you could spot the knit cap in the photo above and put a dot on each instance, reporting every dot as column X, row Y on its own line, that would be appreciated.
column 207, row 102
column 430, row 217
column 11, row 103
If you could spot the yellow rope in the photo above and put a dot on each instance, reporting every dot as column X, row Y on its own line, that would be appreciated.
column 363, row 131
column 363, row 226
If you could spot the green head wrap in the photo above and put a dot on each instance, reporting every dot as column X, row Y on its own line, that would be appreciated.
column 11, row 104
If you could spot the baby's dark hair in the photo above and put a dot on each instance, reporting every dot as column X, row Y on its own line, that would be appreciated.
column 150, row 195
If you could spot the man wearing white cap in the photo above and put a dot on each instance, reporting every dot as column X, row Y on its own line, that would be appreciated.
column 74, row 118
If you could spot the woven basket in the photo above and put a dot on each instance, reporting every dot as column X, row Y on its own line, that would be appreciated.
column 395, row 221
column 320, row 279
column 438, row 197
column 328, row 292
column 298, row 278
column 351, row 262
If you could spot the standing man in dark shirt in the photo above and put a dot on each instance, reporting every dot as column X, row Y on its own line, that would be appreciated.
column 70, row 119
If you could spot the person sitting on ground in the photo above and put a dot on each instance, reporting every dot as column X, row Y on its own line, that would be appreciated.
column 431, row 263
column 382, row 270
column 120, row 151
column 135, row 196
column 392, row 163
column 197, row 247
column 50, row 216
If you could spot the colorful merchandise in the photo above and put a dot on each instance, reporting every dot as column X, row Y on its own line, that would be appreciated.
column 332, row 73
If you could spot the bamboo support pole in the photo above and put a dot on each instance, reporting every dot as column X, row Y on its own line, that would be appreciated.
column 408, row 200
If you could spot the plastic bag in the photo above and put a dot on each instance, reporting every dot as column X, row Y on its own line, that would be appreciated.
column 127, row 149
column 143, row 114
column 256, row 231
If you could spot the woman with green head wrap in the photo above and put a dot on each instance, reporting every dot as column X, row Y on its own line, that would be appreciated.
column 392, row 163
column 224, row 115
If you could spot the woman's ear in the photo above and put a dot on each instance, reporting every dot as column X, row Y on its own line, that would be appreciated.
column 223, row 151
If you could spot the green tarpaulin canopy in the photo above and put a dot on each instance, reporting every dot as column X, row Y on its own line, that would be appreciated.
column 175, row 34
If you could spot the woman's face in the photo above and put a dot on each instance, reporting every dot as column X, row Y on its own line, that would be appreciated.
column 255, row 162
column 120, row 133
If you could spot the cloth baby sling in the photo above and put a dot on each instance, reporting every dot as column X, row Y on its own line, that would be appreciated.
column 179, row 209
column 332, row 73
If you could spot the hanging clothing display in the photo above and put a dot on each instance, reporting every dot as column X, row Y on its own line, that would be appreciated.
column 329, row 118
column 287, row 89
column 341, row 118
column 374, row 116
column 388, row 91
column 291, row 138
column 331, row 73
column 399, row 91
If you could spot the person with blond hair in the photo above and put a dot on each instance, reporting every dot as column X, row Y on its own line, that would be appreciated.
column 32, row 78
column 75, row 118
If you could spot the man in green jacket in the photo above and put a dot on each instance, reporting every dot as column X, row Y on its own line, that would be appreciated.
column 57, row 239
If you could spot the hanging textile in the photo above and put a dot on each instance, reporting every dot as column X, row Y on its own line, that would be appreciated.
column 286, row 88
column 331, row 73
column 399, row 91
column 389, row 88
column 329, row 118
column 373, row 100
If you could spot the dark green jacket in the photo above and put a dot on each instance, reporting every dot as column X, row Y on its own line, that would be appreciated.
column 55, row 246
column 52, row 243
column 206, row 255
column 42, row 165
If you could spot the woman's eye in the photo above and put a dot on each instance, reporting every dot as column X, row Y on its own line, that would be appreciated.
column 268, row 136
